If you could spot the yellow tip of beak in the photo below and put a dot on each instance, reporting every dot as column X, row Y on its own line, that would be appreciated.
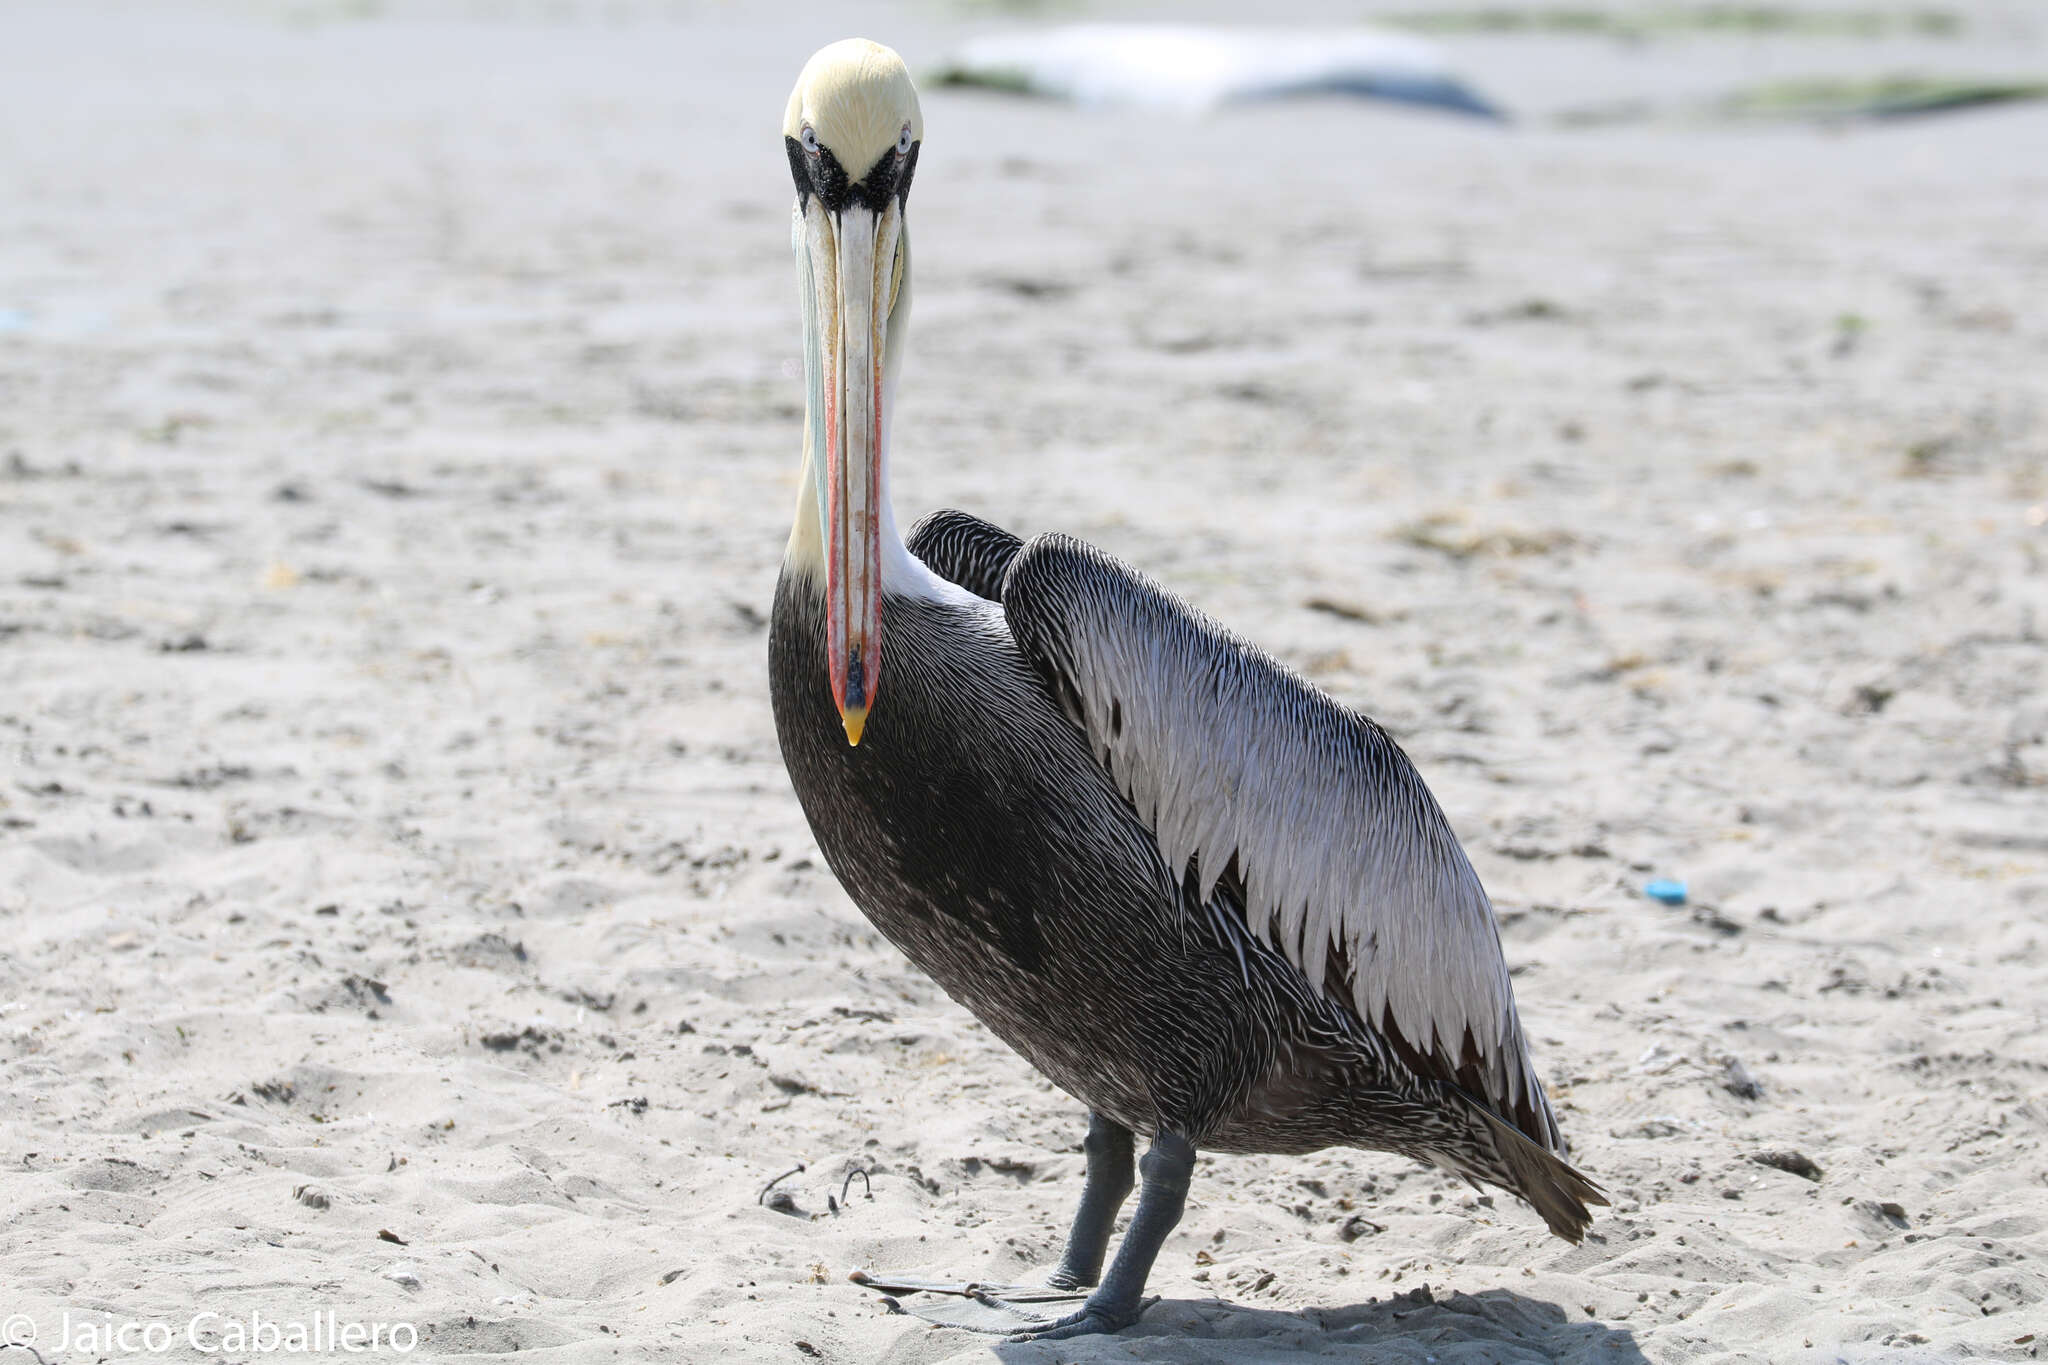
column 855, row 718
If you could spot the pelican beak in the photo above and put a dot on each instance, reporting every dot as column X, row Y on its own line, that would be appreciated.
column 853, row 276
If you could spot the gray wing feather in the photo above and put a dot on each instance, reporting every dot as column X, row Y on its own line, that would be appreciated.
column 1348, row 864
column 964, row 549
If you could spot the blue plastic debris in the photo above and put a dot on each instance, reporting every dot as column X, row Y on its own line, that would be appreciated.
column 1665, row 890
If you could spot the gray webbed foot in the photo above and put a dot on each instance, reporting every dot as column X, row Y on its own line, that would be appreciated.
column 994, row 1309
column 1087, row 1322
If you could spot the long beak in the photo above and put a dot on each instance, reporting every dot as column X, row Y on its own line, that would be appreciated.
column 852, row 260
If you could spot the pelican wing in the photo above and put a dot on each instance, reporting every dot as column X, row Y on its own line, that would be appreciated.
column 1347, row 864
column 966, row 550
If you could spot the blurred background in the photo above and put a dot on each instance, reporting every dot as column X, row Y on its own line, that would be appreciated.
column 1641, row 408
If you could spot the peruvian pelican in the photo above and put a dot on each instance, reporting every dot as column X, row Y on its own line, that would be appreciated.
column 1209, row 902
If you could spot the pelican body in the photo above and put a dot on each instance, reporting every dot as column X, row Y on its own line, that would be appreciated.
column 1206, row 900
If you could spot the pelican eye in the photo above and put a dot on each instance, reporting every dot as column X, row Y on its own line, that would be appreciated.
column 903, row 141
column 810, row 140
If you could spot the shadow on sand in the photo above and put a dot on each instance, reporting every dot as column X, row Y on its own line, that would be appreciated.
column 1496, row 1327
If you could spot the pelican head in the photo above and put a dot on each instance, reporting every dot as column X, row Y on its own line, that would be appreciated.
column 852, row 132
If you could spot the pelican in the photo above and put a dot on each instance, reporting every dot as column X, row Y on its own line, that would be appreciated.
column 1212, row 904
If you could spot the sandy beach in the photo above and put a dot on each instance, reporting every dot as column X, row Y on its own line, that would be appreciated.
column 404, row 914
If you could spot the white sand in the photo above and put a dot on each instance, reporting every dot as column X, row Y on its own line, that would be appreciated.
column 397, row 439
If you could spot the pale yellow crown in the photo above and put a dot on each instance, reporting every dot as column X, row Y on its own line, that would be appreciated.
column 856, row 96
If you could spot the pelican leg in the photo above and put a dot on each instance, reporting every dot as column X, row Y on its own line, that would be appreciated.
column 1004, row 1310
column 1109, row 1183
column 1120, row 1300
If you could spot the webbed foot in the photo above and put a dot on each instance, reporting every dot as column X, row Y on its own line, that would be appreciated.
column 1087, row 1322
column 995, row 1309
